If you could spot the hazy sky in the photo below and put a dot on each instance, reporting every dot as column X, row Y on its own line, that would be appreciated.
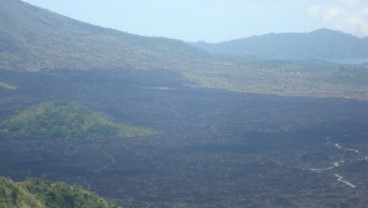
column 216, row 20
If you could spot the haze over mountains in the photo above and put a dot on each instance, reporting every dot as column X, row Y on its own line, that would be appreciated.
column 322, row 44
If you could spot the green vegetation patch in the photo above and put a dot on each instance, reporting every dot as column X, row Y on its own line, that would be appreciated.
column 37, row 193
column 7, row 86
column 67, row 120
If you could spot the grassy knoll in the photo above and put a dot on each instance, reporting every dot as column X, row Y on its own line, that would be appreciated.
column 67, row 120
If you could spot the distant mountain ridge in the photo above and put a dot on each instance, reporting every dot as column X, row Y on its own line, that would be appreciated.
column 33, row 38
column 323, row 44
column 38, row 40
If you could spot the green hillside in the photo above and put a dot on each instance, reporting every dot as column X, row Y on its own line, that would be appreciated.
column 67, row 120
column 37, row 193
column 33, row 39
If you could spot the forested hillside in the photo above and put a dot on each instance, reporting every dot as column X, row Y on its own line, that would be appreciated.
column 37, row 193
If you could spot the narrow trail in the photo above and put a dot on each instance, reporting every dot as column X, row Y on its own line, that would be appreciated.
column 341, row 179
column 111, row 162
column 335, row 165
column 341, row 162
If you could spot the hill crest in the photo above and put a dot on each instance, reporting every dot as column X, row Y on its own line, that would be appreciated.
column 322, row 44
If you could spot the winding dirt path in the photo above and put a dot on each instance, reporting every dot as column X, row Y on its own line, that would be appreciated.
column 341, row 179
column 340, row 163
column 111, row 162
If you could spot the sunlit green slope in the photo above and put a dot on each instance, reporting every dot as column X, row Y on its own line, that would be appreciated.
column 67, row 120
column 37, row 193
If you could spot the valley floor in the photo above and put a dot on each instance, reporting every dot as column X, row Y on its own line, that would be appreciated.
column 214, row 148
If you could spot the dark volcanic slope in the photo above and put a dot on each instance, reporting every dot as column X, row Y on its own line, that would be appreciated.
column 320, row 44
column 215, row 148
column 32, row 38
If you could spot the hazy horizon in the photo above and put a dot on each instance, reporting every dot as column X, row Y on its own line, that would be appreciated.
column 216, row 21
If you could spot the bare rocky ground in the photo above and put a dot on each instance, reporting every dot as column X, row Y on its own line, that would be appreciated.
column 215, row 148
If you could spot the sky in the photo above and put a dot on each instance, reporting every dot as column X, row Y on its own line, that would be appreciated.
column 216, row 20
